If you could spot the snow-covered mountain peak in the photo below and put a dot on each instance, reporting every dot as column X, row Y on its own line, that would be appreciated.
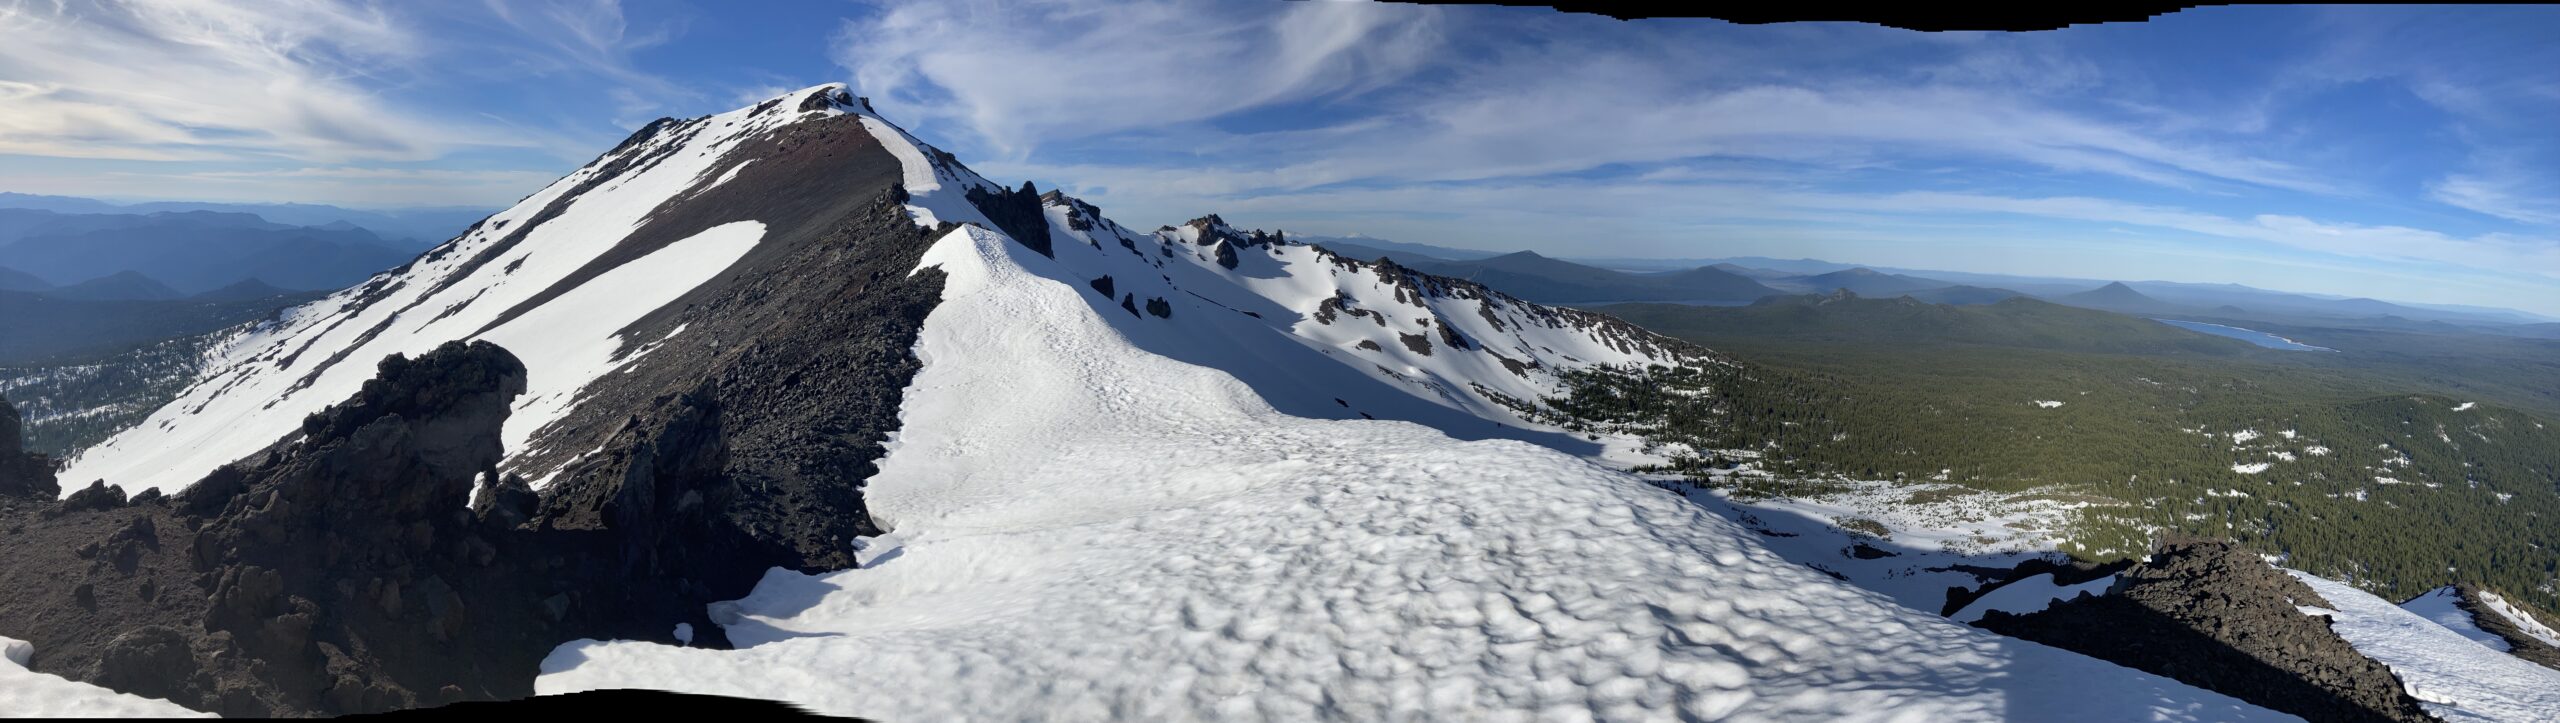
column 578, row 279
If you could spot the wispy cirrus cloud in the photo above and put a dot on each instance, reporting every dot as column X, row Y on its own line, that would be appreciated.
column 593, row 38
column 1018, row 74
column 2501, row 193
column 1072, row 69
column 1516, row 123
column 199, row 80
column 306, row 80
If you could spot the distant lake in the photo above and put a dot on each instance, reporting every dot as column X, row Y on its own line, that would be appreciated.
column 2252, row 336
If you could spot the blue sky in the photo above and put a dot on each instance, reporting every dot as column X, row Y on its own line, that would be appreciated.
column 2400, row 153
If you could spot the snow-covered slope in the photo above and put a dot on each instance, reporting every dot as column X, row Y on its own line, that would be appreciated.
column 2452, row 674
column 1346, row 328
column 2517, row 617
column 1121, row 534
column 2442, row 607
column 28, row 694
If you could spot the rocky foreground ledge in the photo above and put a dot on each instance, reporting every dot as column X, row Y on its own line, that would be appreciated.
column 2215, row 616
column 353, row 568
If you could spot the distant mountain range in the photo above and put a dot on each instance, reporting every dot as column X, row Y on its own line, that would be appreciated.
column 2016, row 321
column 1369, row 249
column 1860, row 281
column 406, row 228
column 119, row 286
column 1537, row 278
column 2224, row 301
column 189, row 251
column 15, row 280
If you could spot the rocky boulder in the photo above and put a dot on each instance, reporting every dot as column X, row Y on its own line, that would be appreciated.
column 2214, row 616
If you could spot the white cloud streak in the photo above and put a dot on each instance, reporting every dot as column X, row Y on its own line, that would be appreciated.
column 203, row 79
column 307, row 80
column 1020, row 73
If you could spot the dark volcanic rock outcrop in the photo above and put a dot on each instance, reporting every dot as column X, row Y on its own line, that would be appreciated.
column 23, row 474
column 806, row 343
column 343, row 558
column 1017, row 213
column 2216, row 617
column 336, row 571
column 352, row 567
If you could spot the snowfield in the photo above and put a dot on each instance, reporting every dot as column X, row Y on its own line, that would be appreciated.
column 28, row 694
column 1121, row 535
column 2454, row 676
column 2439, row 606
column 2532, row 628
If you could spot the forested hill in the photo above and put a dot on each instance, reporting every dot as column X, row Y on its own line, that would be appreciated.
column 1847, row 318
column 2352, row 464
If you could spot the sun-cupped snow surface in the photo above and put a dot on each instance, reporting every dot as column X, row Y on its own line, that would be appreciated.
column 28, row 694
column 261, row 383
column 1120, row 535
column 2456, row 678
column 2441, row 606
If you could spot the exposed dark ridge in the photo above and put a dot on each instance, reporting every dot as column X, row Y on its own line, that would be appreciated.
column 808, row 343
column 835, row 154
column 1016, row 212
column 2214, row 616
column 2519, row 643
